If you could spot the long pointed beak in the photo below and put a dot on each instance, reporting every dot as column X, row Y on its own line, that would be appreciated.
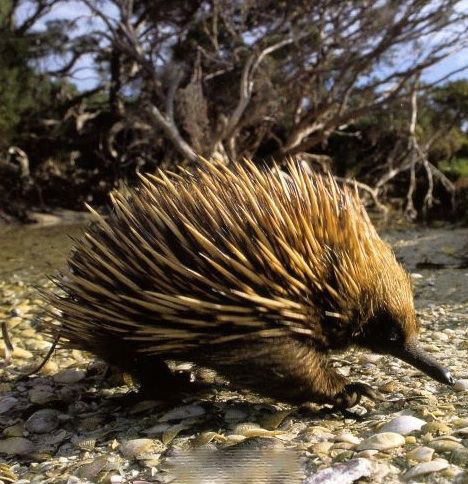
column 414, row 355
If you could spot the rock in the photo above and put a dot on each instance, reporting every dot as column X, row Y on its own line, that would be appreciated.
column 42, row 421
column 367, row 454
column 436, row 428
column 382, row 441
column 371, row 358
column 460, row 456
column 388, row 387
column 403, row 425
column 348, row 438
column 321, row 447
column 463, row 431
column 181, row 413
column 343, row 473
column 16, row 430
column 138, row 448
column 461, row 385
column 444, row 445
column 7, row 403
column 41, row 395
column 421, row 454
column 460, row 422
column 70, row 375
column 16, row 446
column 426, row 468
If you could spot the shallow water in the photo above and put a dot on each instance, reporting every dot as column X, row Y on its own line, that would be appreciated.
column 33, row 252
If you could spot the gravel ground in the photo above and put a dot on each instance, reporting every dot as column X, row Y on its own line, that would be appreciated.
column 68, row 425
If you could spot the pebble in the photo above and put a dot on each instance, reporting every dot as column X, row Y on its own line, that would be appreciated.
column 347, row 438
column 367, row 454
column 444, row 445
column 388, row 387
column 420, row 454
column 7, row 403
column 436, row 428
column 403, row 425
column 321, row 447
column 41, row 395
column 16, row 446
column 181, row 413
column 460, row 422
column 460, row 456
column 382, row 441
column 71, row 375
column 463, row 431
column 426, row 468
column 343, row 473
column 138, row 448
column 42, row 421
column 371, row 358
column 461, row 385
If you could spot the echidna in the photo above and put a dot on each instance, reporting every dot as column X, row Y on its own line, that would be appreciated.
column 255, row 275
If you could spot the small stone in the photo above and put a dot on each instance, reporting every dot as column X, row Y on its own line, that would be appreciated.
column 370, row 358
column 461, row 385
column 274, row 420
column 16, row 430
column 367, row 454
column 7, row 403
column 403, row 425
column 444, row 445
column 321, row 447
column 42, row 421
column 343, row 473
column 426, row 468
column 410, row 439
column 50, row 368
column 460, row 422
column 347, row 438
column 181, row 413
column 436, row 428
column 420, row 454
column 16, row 446
column 460, row 456
column 22, row 353
column 70, row 375
column 463, row 431
column 388, row 387
column 41, row 395
column 440, row 336
column 382, row 441
column 138, row 448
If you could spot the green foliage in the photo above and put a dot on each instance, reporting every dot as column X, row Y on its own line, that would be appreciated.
column 22, row 90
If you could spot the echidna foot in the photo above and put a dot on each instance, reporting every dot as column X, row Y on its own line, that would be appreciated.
column 352, row 393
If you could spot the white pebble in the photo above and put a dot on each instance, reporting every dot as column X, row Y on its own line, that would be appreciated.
column 421, row 454
column 382, row 441
column 461, row 385
column 348, row 438
column 403, row 425
column 426, row 468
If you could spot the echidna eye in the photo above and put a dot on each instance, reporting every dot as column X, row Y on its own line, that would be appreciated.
column 394, row 336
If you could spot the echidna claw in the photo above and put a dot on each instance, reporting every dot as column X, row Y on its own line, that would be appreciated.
column 353, row 392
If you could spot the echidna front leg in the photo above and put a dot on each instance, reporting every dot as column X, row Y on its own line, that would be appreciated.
column 293, row 372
